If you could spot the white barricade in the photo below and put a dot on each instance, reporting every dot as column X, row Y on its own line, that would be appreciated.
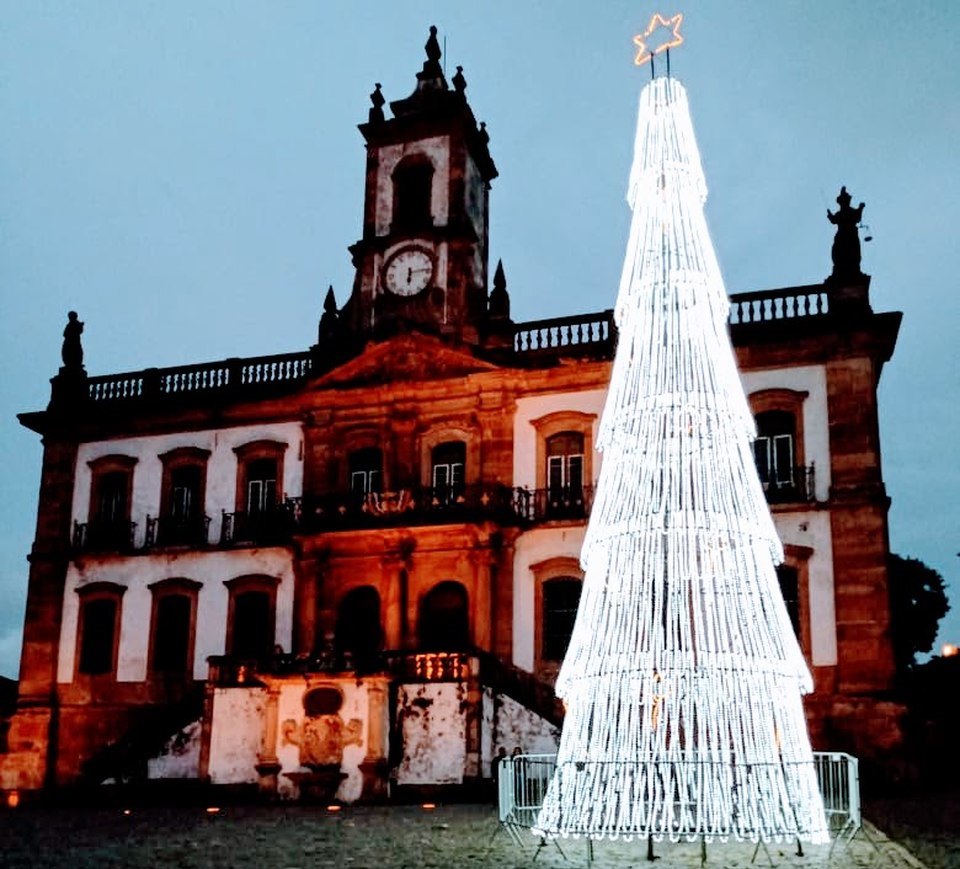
column 523, row 781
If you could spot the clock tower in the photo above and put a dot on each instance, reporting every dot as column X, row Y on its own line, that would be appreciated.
column 422, row 260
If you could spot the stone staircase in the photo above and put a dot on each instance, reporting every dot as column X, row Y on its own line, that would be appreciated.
column 528, row 690
column 149, row 730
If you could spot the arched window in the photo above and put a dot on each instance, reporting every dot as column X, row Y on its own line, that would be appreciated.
column 173, row 626
column 182, row 517
column 775, row 449
column 98, row 637
column 251, row 625
column 447, row 475
column 358, row 631
column 561, row 596
column 565, row 474
column 779, row 447
column 109, row 526
column 412, row 184
column 444, row 624
column 365, row 469
column 259, row 476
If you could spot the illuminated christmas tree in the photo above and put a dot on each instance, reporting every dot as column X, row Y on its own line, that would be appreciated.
column 683, row 679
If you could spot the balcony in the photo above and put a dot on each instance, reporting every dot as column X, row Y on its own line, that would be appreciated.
column 406, row 666
column 548, row 505
column 102, row 535
column 177, row 531
column 261, row 527
column 415, row 506
column 799, row 488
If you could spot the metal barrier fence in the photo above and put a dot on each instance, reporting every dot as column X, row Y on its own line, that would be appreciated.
column 522, row 783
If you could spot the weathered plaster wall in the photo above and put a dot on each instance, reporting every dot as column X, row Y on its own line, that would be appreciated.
column 812, row 529
column 180, row 757
column 437, row 148
column 235, row 734
column 515, row 726
column 221, row 487
column 531, row 548
column 209, row 568
column 487, row 712
column 289, row 751
column 811, row 379
column 432, row 721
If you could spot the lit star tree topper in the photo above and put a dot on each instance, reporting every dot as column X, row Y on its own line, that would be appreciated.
column 661, row 35
column 683, row 678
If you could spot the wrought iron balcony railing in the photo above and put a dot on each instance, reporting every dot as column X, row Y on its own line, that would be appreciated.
column 799, row 488
column 100, row 535
column 260, row 527
column 545, row 505
column 415, row 506
column 177, row 531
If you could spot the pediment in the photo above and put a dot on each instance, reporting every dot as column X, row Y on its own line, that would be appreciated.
column 405, row 358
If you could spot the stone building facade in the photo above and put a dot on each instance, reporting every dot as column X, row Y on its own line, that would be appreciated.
column 351, row 571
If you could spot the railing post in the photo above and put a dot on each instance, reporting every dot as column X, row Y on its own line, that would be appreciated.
column 234, row 373
column 150, row 384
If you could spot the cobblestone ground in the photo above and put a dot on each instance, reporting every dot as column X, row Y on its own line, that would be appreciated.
column 404, row 837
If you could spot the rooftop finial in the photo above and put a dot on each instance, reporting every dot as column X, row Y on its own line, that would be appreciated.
column 377, row 98
column 432, row 48
column 330, row 302
column 459, row 82
column 327, row 331
column 499, row 303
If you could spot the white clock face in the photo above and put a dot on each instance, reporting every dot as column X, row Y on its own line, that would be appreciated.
column 408, row 272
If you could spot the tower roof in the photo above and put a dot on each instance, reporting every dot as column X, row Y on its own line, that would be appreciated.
column 432, row 101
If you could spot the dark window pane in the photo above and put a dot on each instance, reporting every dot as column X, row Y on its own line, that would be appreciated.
column 358, row 622
column 112, row 497
column 564, row 444
column 185, row 492
column 97, row 632
column 761, row 452
column 444, row 624
column 448, row 461
column 555, row 473
column 565, row 463
column 365, row 467
column 261, row 485
column 776, row 422
column 252, row 625
column 783, row 458
column 560, row 600
column 575, row 473
column 411, row 195
column 790, row 589
column 171, row 638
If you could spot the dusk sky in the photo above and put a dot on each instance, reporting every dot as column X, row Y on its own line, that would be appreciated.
column 188, row 176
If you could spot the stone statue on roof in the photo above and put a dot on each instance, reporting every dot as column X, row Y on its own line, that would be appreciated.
column 846, row 242
column 72, row 350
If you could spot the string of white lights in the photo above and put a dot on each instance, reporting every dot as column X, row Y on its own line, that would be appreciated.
column 683, row 678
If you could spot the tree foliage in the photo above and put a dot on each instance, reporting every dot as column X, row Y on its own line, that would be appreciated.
column 918, row 600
